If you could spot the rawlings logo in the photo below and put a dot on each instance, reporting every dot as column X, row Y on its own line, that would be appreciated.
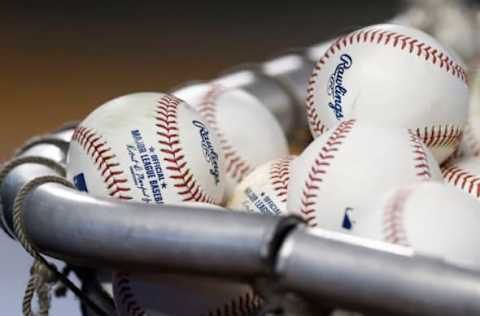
column 335, row 85
column 208, row 151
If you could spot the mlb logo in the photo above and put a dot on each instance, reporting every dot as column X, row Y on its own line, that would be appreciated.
column 80, row 183
column 348, row 221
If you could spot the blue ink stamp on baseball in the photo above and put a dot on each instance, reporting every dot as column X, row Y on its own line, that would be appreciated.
column 263, row 203
column 80, row 182
column 146, row 170
column 348, row 221
column 336, row 90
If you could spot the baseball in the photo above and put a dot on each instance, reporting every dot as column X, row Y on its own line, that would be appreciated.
column 248, row 133
column 391, row 76
column 343, row 172
column 470, row 145
column 168, row 294
column 264, row 190
column 148, row 147
column 464, row 174
column 432, row 218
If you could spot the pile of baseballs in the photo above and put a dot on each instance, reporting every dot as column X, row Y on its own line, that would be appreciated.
column 394, row 157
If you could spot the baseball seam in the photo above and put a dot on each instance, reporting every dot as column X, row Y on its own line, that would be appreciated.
column 438, row 136
column 174, row 157
column 126, row 297
column 420, row 157
column 319, row 169
column 103, row 157
column 394, row 216
column 279, row 176
column 462, row 179
column 242, row 305
column 397, row 40
column 236, row 166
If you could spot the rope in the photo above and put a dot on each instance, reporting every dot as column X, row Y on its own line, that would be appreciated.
column 43, row 275
column 18, row 223
column 10, row 165
column 43, row 272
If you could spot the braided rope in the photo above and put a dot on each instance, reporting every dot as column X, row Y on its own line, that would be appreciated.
column 40, row 277
column 18, row 223
column 10, row 165
column 43, row 274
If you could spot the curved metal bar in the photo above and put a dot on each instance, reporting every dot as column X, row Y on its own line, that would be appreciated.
column 20, row 175
column 347, row 272
column 82, row 229
column 293, row 72
column 315, row 52
column 268, row 90
column 375, row 277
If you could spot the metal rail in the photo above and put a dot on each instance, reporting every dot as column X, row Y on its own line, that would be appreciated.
column 343, row 271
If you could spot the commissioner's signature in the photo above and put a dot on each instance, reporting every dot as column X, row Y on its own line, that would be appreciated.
column 137, row 172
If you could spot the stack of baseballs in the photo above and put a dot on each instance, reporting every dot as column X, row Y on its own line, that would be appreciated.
column 387, row 107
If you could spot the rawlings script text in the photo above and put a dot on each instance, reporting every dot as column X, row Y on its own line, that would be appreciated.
column 335, row 89
column 208, row 151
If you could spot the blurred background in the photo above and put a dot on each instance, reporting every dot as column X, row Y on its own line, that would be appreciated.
column 61, row 60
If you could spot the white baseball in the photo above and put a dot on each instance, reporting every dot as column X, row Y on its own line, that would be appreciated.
column 264, row 190
column 432, row 218
column 451, row 22
column 342, row 173
column 464, row 174
column 391, row 76
column 249, row 134
column 168, row 294
column 148, row 147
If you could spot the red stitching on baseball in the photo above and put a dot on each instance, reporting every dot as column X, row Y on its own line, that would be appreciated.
column 463, row 179
column 422, row 165
column 125, row 295
column 403, row 42
column 104, row 159
column 245, row 304
column 441, row 135
column 393, row 218
column 236, row 166
column 279, row 176
column 171, row 148
column 242, row 305
column 319, row 169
